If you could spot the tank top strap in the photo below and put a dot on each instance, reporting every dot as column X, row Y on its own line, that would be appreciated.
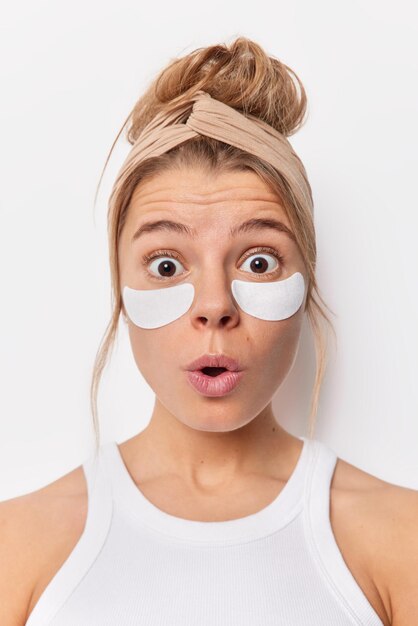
column 90, row 542
column 322, row 542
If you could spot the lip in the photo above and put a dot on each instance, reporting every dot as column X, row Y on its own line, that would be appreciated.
column 219, row 385
column 214, row 360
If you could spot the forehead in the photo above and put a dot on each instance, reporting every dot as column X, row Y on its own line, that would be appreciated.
column 204, row 198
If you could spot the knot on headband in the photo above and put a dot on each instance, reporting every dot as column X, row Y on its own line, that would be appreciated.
column 212, row 118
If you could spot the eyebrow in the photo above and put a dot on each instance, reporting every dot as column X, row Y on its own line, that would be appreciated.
column 182, row 229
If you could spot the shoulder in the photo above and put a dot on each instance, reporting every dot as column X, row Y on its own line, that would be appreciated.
column 37, row 532
column 381, row 519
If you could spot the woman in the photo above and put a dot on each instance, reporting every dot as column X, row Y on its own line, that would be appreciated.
column 214, row 513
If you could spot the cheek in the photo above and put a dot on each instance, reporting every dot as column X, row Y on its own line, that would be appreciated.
column 274, row 343
column 154, row 352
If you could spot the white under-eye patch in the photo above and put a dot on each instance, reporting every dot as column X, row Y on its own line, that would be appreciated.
column 152, row 308
column 270, row 301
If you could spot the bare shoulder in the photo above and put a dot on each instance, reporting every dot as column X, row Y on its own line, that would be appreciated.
column 376, row 525
column 38, row 531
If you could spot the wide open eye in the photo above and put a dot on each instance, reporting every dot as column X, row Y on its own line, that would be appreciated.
column 164, row 266
column 261, row 263
column 164, row 263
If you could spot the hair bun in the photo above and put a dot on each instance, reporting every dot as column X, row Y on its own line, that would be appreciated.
column 242, row 75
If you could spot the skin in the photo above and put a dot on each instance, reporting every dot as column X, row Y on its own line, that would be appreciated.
column 214, row 458
column 211, row 444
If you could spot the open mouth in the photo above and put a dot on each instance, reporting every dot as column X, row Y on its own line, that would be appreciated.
column 213, row 371
column 214, row 381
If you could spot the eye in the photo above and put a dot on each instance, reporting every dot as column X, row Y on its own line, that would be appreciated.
column 162, row 264
column 262, row 262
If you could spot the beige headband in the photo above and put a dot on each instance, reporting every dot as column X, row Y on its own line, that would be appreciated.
column 213, row 118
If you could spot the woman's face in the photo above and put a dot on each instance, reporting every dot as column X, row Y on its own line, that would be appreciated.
column 210, row 206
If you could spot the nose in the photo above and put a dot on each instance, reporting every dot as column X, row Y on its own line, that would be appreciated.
column 214, row 305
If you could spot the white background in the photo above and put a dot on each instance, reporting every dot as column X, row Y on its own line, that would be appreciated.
column 70, row 74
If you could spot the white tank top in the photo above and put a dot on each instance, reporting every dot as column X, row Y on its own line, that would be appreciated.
column 136, row 565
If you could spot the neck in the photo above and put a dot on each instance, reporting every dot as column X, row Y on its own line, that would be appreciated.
column 205, row 459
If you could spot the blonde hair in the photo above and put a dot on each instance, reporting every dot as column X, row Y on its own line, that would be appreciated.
column 242, row 76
